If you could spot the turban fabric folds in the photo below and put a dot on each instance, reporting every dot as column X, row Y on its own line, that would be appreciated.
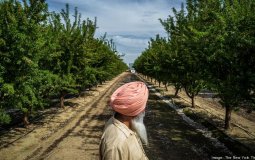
column 130, row 99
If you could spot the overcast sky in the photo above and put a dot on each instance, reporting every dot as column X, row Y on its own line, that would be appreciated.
column 130, row 23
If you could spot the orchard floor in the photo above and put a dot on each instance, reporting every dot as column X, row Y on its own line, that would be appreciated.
column 74, row 133
column 240, row 139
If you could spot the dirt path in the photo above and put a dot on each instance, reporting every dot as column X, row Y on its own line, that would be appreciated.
column 70, row 134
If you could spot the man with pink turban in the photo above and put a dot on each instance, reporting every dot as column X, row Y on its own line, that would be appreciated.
column 125, row 131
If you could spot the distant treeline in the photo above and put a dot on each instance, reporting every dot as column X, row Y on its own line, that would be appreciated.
column 210, row 45
column 44, row 55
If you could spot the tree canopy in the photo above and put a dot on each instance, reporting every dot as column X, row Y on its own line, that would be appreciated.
column 47, row 54
column 210, row 45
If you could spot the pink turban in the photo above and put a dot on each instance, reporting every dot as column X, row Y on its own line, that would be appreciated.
column 130, row 99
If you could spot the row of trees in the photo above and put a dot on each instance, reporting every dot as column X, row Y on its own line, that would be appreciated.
column 44, row 55
column 210, row 45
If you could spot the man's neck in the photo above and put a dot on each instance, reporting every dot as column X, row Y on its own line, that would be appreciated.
column 124, row 119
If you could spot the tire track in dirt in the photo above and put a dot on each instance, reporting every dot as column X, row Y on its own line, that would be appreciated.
column 88, row 119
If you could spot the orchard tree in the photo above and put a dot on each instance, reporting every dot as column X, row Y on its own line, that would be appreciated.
column 233, row 61
column 187, row 55
column 22, row 43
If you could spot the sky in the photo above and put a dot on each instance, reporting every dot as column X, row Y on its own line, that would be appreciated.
column 130, row 23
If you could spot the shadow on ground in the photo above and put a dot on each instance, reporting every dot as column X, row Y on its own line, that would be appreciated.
column 172, row 138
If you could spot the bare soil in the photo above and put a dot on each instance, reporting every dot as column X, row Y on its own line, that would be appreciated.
column 74, row 133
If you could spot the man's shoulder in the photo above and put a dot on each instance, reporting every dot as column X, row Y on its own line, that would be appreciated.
column 116, row 132
column 114, row 124
column 112, row 131
column 114, row 138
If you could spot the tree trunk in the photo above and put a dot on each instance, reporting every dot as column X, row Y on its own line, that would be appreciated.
column 25, row 119
column 159, row 82
column 62, row 99
column 166, row 86
column 191, row 96
column 151, row 79
column 192, row 101
column 227, row 116
column 176, row 92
